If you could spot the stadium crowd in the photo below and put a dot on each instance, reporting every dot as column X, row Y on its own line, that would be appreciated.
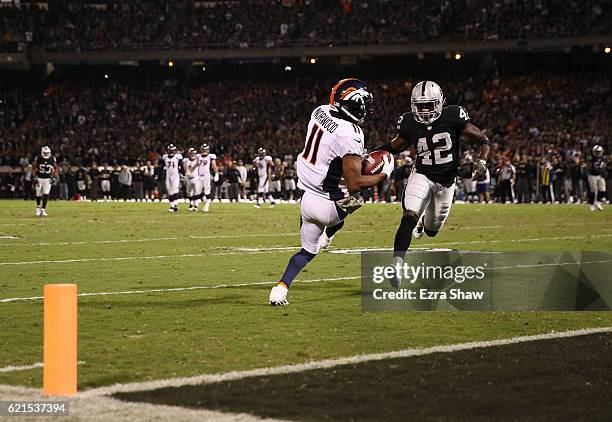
column 532, row 120
column 140, row 24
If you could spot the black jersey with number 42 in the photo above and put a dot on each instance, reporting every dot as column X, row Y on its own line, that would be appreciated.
column 437, row 144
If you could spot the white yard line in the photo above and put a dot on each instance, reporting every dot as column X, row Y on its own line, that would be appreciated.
column 238, row 251
column 261, row 283
column 15, row 368
column 330, row 363
column 153, row 239
column 180, row 289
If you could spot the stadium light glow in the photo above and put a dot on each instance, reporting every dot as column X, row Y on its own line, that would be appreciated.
column 288, row 68
column 607, row 50
column 170, row 63
column 106, row 76
column 203, row 68
column 313, row 60
column 458, row 56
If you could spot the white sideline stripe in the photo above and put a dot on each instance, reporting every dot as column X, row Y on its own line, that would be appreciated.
column 330, row 363
column 15, row 368
column 9, row 237
column 180, row 289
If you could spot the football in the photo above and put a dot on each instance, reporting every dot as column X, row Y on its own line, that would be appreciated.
column 373, row 162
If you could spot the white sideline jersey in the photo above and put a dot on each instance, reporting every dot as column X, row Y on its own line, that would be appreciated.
column 204, row 164
column 172, row 164
column 189, row 164
column 328, row 139
column 261, row 164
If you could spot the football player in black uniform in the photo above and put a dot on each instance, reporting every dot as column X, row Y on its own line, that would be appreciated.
column 597, row 182
column 44, row 169
column 432, row 133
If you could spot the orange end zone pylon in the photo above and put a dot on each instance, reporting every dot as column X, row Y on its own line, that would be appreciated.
column 60, row 340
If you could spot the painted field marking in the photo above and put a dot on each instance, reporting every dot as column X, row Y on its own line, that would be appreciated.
column 261, row 283
column 330, row 363
column 180, row 289
column 36, row 365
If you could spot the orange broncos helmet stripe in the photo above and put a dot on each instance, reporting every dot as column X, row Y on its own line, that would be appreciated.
column 345, row 93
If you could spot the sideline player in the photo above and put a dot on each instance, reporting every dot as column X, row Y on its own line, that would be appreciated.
column 329, row 171
column 263, row 164
column 208, row 171
column 44, row 169
column 433, row 131
column 597, row 183
column 172, row 163
column 275, row 179
column 193, row 185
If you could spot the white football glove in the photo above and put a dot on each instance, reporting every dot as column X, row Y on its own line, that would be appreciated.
column 388, row 165
column 479, row 171
column 216, row 177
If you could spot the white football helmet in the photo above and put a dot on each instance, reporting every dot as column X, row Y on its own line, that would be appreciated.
column 597, row 150
column 45, row 152
column 426, row 102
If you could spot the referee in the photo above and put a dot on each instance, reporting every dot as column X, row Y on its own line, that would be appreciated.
column 507, row 177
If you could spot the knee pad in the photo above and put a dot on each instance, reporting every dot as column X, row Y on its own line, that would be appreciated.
column 430, row 233
column 410, row 217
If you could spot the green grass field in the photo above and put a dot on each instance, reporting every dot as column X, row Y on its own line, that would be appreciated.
column 113, row 247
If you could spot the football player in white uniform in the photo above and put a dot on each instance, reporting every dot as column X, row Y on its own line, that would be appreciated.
column 208, row 171
column 263, row 164
column 329, row 171
column 44, row 170
column 432, row 133
column 193, row 185
column 172, row 163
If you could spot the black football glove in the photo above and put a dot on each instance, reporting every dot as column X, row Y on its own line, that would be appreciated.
column 479, row 170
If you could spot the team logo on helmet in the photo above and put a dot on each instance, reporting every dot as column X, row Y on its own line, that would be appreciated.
column 597, row 150
column 426, row 102
column 351, row 98
column 171, row 150
column 45, row 152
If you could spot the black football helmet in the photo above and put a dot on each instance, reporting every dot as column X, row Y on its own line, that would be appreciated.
column 351, row 98
column 191, row 153
column 204, row 149
column 261, row 152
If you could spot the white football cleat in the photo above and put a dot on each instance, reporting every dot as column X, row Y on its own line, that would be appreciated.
column 592, row 207
column 278, row 295
column 173, row 209
column 325, row 241
column 417, row 232
column 38, row 212
column 598, row 206
column 43, row 213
